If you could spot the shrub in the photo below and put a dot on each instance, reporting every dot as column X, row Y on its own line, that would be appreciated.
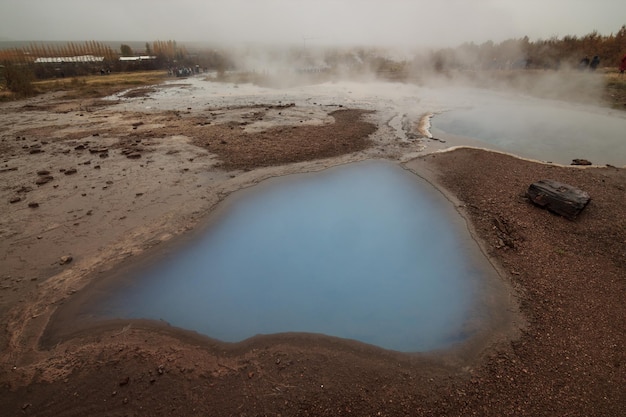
column 18, row 79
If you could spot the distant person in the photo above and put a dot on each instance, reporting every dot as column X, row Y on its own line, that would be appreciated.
column 583, row 64
column 622, row 67
column 594, row 63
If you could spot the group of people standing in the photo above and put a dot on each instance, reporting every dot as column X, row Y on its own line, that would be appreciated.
column 585, row 63
column 592, row 64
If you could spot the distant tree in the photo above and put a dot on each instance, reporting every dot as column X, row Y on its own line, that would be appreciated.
column 126, row 50
column 148, row 49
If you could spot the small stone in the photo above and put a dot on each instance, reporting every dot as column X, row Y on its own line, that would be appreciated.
column 43, row 172
column 71, row 171
column 33, row 205
column 99, row 150
column 134, row 155
column 44, row 179
column 15, row 199
column 124, row 381
column 65, row 260
column 581, row 162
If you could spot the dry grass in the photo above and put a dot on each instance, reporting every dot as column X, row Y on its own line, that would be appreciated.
column 95, row 86
column 92, row 86
column 615, row 90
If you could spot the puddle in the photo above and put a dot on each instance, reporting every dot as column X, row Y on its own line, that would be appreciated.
column 366, row 251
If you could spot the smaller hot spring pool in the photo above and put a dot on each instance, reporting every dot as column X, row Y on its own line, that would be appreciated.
column 540, row 129
column 365, row 251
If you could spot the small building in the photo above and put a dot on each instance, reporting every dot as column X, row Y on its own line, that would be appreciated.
column 69, row 59
column 137, row 58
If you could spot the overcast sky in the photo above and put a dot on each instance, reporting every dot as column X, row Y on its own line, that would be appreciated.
column 335, row 22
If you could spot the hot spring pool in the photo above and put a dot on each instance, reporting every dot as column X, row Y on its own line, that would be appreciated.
column 540, row 129
column 366, row 251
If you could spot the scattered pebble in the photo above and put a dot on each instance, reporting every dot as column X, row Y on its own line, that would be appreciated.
column 44, row 179
column 65, row 260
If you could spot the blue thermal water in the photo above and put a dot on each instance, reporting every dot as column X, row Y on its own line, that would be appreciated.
column 365, row 251
column 541, row 130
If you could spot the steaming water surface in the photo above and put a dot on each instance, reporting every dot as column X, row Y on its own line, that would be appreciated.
column 545, row 130
column 366, row 251
column 540, row 129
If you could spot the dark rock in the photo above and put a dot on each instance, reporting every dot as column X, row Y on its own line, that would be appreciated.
column 71, row 171
column 580, row 162
column 133, row 156
column 43, row 172
column 33, row 205
column 15, row 199
column 559, row 198
column 24, row 189
column 44, row 179
column 35, row 150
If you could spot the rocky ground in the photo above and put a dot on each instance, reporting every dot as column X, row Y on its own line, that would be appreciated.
column 87, row 186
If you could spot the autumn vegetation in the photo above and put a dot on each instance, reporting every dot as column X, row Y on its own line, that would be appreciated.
column 23, row 70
